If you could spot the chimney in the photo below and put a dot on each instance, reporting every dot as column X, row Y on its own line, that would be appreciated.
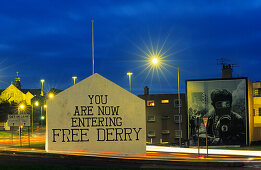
column 146, row 90
column 227, row 71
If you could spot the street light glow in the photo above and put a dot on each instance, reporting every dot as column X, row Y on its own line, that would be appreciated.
column 155, row 61
column 42, row 80
column 36, row 103
column 51, row 95
column 129, row 73
column 22, row 106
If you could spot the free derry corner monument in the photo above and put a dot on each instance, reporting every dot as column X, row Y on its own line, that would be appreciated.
column 96, row 115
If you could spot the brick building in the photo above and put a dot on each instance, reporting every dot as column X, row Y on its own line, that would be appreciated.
column 162, row 117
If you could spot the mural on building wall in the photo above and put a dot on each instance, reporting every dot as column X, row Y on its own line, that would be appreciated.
column 224, row 102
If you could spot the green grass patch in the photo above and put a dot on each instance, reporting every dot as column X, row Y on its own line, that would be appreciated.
column 35, row 145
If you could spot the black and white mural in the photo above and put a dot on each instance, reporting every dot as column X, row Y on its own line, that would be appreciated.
column 224, row 102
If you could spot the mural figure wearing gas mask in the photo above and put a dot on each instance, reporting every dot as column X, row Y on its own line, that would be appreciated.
column 225, row 126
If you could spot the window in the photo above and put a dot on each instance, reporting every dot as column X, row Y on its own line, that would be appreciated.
column 150, row 103
column 257, row 92
column 259, row 111
column 165, row 138
column 176, row 119
column 151, row 118
column 178, row 133
column 151, row 134
column 165, row 101
column 176, row 103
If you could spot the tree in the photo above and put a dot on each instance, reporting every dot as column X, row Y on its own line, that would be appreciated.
column 7, row 108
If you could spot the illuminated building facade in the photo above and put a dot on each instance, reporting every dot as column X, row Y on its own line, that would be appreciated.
column 162, row 118
column 257, row 110
column 15, row 93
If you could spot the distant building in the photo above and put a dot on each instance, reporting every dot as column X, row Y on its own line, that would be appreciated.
column 162, row 117
column 15, row 93
column 257, row 110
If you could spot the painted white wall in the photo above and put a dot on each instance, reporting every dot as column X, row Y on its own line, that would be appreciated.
column 61, row 110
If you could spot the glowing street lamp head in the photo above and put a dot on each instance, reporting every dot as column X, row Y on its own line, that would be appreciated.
column 42, row 80
column 129, row 73
column 74, row 78
column 45, row 106
column 42, row 117
column 22, row 106
column 51, row 95
column 155, row 61
column 36, row 103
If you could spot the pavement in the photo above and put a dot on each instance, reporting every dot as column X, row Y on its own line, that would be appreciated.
column 204, row 151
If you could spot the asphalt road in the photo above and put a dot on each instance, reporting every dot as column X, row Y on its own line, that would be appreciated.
column 153, row 160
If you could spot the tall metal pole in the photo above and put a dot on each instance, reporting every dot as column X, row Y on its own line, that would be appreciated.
column 198, row 134
column 74, row 78
column 92, row 49
column 179, row 110
column 179, row 101
column 130, row 74
column 32, row 118
column 41, row 115
column 42, row 81
column 130, row 82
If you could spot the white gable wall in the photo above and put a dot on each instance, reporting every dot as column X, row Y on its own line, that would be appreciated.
column 129, row 134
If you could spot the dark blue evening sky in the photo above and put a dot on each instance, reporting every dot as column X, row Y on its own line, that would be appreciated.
column 52, row 40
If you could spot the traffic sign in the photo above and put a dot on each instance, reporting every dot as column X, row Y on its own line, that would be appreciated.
column 19, row 120
column 205, row 121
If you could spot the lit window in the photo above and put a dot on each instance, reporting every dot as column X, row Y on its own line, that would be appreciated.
column 178, row 133
column 177, row 103
column 151, row 118
column 151, row 134
column 150, row 103
column 176, row 119
column 164, row 101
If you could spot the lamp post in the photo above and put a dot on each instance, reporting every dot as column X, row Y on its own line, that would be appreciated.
column 36, row 104
column 42, row 81
column 155, row 61
column 130, row 74
column 74, row 78
column 20, row 107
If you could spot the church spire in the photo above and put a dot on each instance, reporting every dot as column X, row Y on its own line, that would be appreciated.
column 17, row 82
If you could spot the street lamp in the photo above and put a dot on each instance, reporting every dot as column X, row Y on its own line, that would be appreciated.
column 21, row 107
column 155, row 61
column 50, row 95
column 42, row 81
column 130, row 74
column 36, row 103
column 74, row 78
